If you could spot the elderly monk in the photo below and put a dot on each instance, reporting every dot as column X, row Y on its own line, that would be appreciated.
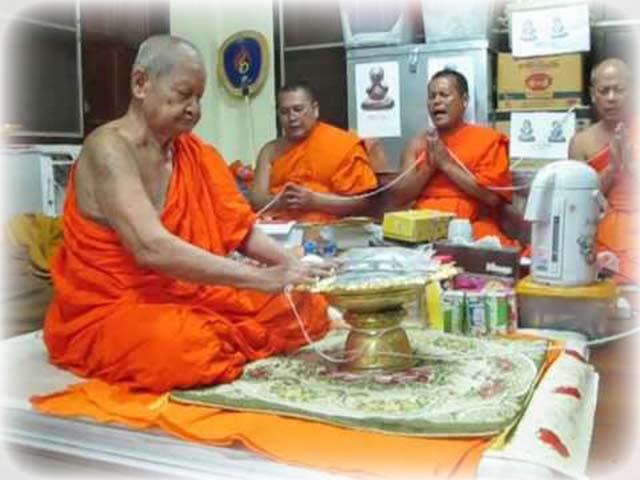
column 145, row 293
column 461, row 168
column 608, row 147
column 314, row 166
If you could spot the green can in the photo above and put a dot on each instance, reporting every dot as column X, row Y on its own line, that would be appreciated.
column 476, row 314
column 512, row 306
column 453, row 311
column 497, row 311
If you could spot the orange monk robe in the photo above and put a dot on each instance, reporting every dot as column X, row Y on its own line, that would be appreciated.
column 618, row 231
column 116, row 321
column 328, row 160
column 485, row 153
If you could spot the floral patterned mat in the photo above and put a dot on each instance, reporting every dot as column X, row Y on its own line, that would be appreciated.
column 457, row 386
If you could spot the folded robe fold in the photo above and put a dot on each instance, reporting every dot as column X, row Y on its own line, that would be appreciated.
column 285, row 439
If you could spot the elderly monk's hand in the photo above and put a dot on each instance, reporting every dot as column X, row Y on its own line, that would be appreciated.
column 296, row 197
column 437, row 152
column 295, row 272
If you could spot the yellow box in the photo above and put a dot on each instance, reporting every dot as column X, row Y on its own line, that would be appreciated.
column 416, row 225
column 540, row 83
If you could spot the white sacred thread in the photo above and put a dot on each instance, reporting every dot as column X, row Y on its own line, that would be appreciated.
column 350, row 197
column 307, row 337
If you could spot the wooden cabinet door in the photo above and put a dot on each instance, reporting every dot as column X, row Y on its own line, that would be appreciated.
column 106, row 69
column 111, row 34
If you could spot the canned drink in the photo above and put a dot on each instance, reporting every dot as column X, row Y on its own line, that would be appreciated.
column 453, row 311
column 497, row 311
column 476, row 314
column 512, row 308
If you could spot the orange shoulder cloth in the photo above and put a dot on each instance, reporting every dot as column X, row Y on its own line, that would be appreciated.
column 315, row 161
column 329, row 160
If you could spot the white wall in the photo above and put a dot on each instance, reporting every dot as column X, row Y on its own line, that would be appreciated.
column 227, row 121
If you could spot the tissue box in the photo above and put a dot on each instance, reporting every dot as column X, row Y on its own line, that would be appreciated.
column 416, row 225
column 499, row 262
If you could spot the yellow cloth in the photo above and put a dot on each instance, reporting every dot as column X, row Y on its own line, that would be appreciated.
column 39, row 234
column 31, row 240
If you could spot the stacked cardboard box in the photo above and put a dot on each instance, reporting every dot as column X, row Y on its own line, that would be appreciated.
column 540, row 83
column 548, row 83
column 502, row 119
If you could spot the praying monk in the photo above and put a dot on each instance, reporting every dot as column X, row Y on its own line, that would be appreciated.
column 145, row 293
column 316, row 166
column 459, row 167
column 608, row 146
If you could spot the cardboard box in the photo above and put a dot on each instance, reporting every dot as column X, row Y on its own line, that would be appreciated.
column 464, row 20
column 416, row 225
column 502, row 119
column 540, row 83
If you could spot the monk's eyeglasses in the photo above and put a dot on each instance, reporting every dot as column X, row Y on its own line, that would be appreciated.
column 298, row 109
column 611, row 90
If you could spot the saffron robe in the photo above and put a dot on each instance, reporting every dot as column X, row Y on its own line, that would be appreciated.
column 619, row 229
column 329, row 160
column 484, row 152
column 119, row 322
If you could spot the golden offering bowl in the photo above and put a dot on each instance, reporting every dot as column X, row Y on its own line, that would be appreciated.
column 377, row 341
column 370, row 301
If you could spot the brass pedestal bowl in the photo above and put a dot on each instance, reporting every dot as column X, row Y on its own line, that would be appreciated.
column 376, row 340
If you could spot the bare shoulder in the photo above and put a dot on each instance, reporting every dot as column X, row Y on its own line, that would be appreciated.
column 584, row 144
column 417, row 141
column 103, row 162
column 271, row 150
column 106, row 145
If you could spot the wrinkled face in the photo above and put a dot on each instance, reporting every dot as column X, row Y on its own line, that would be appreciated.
column 298, row 114
column 446, row 105
column 611, row 95
column 171, row 102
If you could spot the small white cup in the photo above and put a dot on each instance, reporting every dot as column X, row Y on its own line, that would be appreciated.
column 460, row 231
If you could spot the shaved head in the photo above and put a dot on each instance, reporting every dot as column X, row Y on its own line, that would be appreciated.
column 159, row 54
column 610, row 90
column 302, row 86
column 611, row 66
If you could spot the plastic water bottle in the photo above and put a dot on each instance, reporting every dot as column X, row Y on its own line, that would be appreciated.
column 329, row 244
column 320, row 240
column 310, row 247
